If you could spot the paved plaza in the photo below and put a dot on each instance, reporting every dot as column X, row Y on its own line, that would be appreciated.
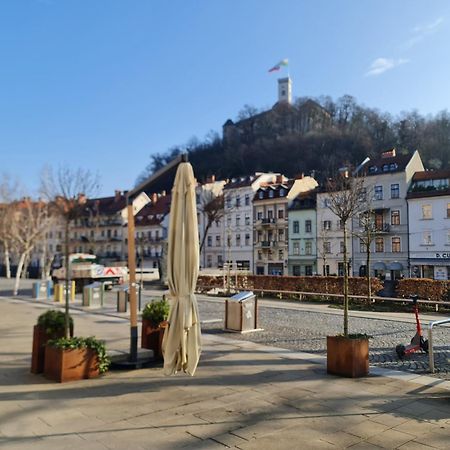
column 249, row 391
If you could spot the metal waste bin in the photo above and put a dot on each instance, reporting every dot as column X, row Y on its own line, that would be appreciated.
column 60, row 292
column 42, row 289
column 241, row 312
column 93, row 294
column 122, row 299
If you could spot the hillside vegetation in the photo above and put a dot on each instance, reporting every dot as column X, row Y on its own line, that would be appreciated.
column 353, row 133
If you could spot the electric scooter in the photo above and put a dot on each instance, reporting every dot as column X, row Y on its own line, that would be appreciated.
column 417, row 342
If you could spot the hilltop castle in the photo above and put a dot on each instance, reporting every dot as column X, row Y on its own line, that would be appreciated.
column 282, row 119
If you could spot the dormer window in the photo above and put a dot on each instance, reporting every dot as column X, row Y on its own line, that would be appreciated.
column 282, row 192
column 270, row 194
column 372, row 169
column 393, row 166
column 261, row 195
column 385, row 167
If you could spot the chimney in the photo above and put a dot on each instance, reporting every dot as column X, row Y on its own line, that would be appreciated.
column 154, row 197
column 117, row 195
column 279, row 179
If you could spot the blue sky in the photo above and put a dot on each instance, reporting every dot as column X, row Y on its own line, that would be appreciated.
column 103, row 84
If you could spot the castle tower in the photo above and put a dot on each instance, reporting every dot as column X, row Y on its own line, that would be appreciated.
column 285, row 90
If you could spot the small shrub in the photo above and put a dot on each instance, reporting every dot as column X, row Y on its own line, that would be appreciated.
column 156, row 311
column 53, row 321
column 81, row 342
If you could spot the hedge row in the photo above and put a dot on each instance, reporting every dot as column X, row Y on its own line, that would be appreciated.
column 325, row 285
column 425, row 288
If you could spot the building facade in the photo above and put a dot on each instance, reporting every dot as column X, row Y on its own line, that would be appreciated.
column 386, row 181
column 238, row 218
column 302, row 259
column 429, row 225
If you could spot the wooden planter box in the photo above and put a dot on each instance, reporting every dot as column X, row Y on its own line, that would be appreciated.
column 347, row 357
column 70, row 364
column 40, row 339
column 151, row 337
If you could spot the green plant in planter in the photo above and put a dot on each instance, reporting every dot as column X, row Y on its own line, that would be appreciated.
column 156, row 311
column 53, row 321
column 81, row 342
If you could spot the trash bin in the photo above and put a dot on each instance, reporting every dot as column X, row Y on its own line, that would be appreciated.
column 241, row 312
column 122, row 299
column 93, row 294
column 60, row 292
column 42, row 289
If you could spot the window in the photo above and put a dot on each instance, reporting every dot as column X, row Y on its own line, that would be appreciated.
column 209, row 241
column 385, row 167
column 260, row 214
column 327, row 247
column 296, row 248
column 229, row 241
column 280, row 235
column 362, row 246
column 341, row 247
column 247, row 219
column 270, row 194
column 395, row 191
column 340, row 224
column 115, row 233
column 327, row 224
column 296, row 226
column 395, row 217
column 247, row 239
column 238, row 220
column 229, row 221
column 282, row 192
column 326, row 203
column 396, row 245
column 308, row 271
column 209, row 260
column 238, row 201
column 259, row 255
column 379, row 245
column 308, row 248
column 217, row 241
column 281, row 213
column 296, row 271
column 280, row 254
column 219, row 260
column 92, row 233
column 261, row 195
column 238, row 240
column 341, row 269
column 326, row 270
column 427, row 238
column 270, row 214
column 229, row 199
column 247, row 199
column 448, row 237
column 427, row 212
column 308, row 226
column 378, row 193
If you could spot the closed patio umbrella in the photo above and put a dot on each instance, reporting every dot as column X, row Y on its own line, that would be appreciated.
column 182, row 339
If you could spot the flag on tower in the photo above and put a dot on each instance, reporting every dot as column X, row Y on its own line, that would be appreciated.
column 283, row 62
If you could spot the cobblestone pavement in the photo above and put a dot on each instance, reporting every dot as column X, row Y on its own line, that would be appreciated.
column 306, row 331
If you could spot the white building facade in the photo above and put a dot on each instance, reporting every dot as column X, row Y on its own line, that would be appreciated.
column 429, row 225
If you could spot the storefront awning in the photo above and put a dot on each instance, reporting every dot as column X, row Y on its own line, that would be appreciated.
column 395, row 266
column 379, row 266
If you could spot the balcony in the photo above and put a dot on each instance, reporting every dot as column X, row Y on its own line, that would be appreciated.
column 382, row 228
column 267, row 221
column 266, row 244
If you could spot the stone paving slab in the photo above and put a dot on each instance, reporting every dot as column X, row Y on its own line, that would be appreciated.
column 244, row 395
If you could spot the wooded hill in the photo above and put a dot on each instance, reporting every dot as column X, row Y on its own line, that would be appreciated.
column 352, row 133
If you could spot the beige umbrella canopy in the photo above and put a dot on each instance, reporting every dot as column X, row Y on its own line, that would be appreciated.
column 182, row 339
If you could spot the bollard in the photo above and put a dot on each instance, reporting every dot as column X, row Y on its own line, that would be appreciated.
column 60, row 292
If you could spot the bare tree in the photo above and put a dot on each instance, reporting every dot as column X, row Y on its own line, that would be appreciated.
column 346, row 202
column 9, row 190
column 30, row 221
column 211, row 207
column 68, row 190
column 366, row 232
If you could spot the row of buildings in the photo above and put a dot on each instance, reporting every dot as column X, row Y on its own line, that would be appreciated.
column 269, row 224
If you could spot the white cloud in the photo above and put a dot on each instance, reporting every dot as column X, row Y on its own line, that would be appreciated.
column 381, row 65
column 421, row 31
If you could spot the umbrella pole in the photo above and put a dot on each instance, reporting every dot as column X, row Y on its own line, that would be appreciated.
column 132, row 283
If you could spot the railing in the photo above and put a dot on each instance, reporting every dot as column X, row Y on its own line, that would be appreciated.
column 267, row 221
column 430, row 340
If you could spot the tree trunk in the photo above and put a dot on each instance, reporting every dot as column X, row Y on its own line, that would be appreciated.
column 208, row 226
column 345, row 283
column 19, row 272
column 66, row 250
column 25, row 266
column 7, row 262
